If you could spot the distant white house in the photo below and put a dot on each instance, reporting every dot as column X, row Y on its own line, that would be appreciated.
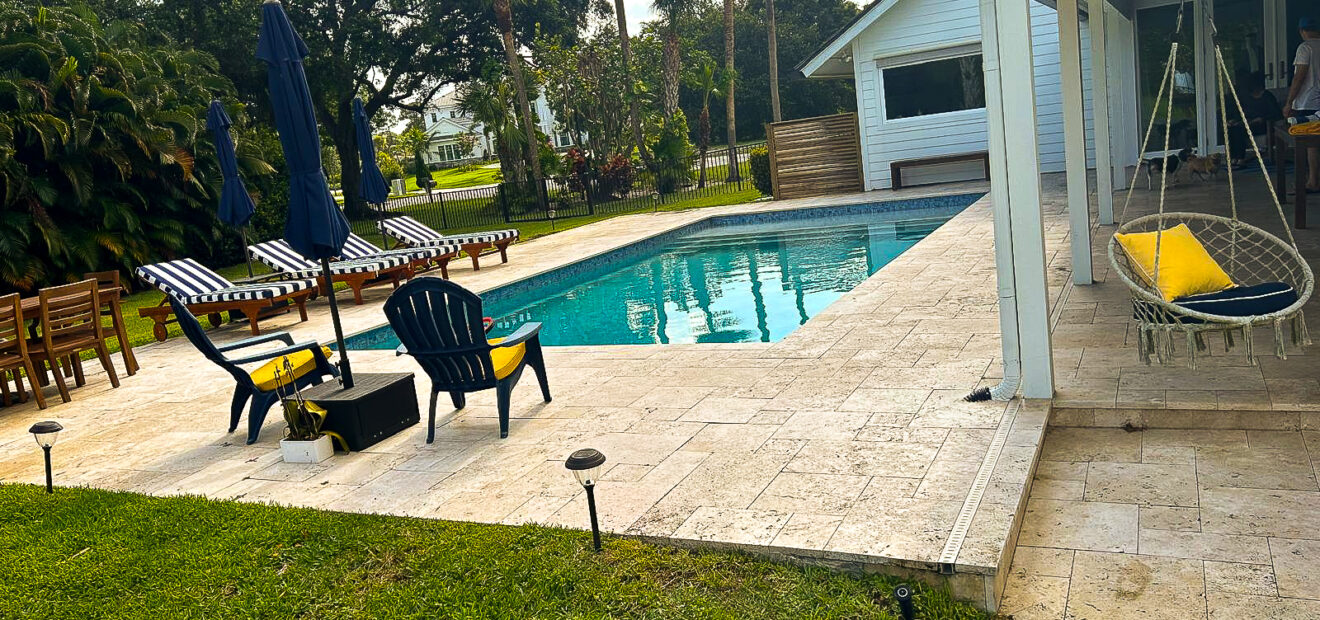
column 446, row 121
column 917, row 69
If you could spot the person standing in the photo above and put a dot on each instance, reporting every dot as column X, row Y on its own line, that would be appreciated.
column 1304, row 94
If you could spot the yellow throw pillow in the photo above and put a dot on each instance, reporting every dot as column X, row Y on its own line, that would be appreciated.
column 1185, row 267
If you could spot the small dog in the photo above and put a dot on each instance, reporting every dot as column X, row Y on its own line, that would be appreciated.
column 1156, row 165
column 1205, row 167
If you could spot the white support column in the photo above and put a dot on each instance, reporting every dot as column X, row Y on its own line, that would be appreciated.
column 1074, row 140
column 1104, row 175
column 1015, row 191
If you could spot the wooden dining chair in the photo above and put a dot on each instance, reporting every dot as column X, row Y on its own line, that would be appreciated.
column 70, row 319
column 14, row 353
column 110, row 307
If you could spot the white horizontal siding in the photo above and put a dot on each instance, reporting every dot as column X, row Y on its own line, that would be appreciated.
column 915, row 25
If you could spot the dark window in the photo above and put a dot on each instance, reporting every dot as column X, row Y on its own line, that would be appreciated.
column 934, row 87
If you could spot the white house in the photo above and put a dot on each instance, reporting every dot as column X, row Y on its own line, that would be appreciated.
column 917, row 67
column 445, row 121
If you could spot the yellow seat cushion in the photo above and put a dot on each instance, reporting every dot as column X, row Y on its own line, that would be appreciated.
column 1185, row 267
column 302, row 362
column 506, row 360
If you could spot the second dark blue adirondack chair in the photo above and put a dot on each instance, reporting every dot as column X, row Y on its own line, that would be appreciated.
column 439, row 324
column 308, row 359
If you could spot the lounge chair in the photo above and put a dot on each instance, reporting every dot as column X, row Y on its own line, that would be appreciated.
column 206, row 292
column 358, row 274
column 413, row 233
column 310, row 362
column 448, row 340
column 357, row 248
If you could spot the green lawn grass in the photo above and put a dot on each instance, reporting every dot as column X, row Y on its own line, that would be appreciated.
column 452, row 178
column 84, row 553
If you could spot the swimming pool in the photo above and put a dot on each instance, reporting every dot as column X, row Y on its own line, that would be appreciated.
column 742, row 278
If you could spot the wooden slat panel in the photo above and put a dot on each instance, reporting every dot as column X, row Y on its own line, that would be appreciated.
column 815, row 156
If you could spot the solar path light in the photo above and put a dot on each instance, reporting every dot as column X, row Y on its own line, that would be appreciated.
column 585, row 465
column 46, row 433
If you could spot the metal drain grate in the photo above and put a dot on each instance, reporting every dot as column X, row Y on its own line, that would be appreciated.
column 963, row 523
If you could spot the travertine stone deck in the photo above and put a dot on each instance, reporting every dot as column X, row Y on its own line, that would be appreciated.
column 846, row 443
column 1217, row 524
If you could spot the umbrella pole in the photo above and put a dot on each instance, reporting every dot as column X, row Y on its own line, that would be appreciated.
column 380, row 225
column 242, row 232
column 345, row 372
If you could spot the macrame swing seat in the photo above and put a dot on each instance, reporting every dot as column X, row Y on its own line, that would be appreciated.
column 1249, row 255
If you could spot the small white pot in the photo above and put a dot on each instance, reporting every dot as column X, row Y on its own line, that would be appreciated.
column 307, row 451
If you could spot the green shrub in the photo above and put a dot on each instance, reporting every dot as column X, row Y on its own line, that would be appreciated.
column 390, row 168
column 759, row 161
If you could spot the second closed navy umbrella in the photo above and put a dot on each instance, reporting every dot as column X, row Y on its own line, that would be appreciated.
column 373, row 189
column 317, row 228
column 236, row 206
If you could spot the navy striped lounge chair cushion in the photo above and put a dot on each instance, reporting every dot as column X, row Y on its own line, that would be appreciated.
column 191, row 283
column 357, row 248
column 281, row 257
column 413, row 232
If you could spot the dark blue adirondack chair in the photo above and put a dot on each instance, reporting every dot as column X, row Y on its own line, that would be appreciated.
column 258, row 385
column 439, row 324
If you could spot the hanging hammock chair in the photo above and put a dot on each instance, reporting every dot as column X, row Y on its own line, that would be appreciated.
column 1270, row 280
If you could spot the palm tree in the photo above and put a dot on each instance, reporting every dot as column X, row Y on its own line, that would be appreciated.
column 488, row 102
column 774, row 60
column 504, row 17
column 708, row 88
column 634, row 116
column 673, row 11
column 731, row 129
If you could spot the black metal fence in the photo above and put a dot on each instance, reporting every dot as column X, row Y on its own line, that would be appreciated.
column 587, row 191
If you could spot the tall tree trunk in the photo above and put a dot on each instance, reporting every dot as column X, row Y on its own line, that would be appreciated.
column 504, row 16
column 669, row 98
column 732, row 129
column 350, row 172
column 774, row 61
column 634, row 116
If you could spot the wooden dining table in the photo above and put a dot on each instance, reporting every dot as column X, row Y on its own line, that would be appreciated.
column 109, row 297
column 1284, row 140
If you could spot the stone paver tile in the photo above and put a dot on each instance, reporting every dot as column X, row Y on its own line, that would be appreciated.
column 1278, row 440
column 293, row 472
column 966, row 444
column 892, row 400
column 864, row 458
column 1113, row 585
column 812, row 493
column 1091, row 444
column 356, row 468
column 1297, row 566
column 1239, row 578
column 1095, row 526
column 538, row 509
column 1049, row 488
column 1043, row 561
column 808, row 532
column 947, row 409
column 724, row 480
column 827, row 425
column 393, row 492
column 637, row 448
column 872, row 432
column 1141, row 483
column 1224, row 606
column 1197, row 438
column 1061, row 470
column 673, row 397
column 1176, row 518
column 1204, row 546
column 1034, row 597
column 814, row 394
column 1175, row 455
column 733, row 525
column 724, row 410
column 1259, row 468
column 1260, row 512
column 730, row 437
column 915, row 529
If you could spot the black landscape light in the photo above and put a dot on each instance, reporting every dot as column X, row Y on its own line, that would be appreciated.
column 585, row 465
column 46, row 433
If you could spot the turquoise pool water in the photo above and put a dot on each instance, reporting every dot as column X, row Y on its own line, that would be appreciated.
column 749, row 278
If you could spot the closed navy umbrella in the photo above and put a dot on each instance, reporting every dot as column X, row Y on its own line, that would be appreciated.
column 236, row 207
column 373, row 189
column 316, row 228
